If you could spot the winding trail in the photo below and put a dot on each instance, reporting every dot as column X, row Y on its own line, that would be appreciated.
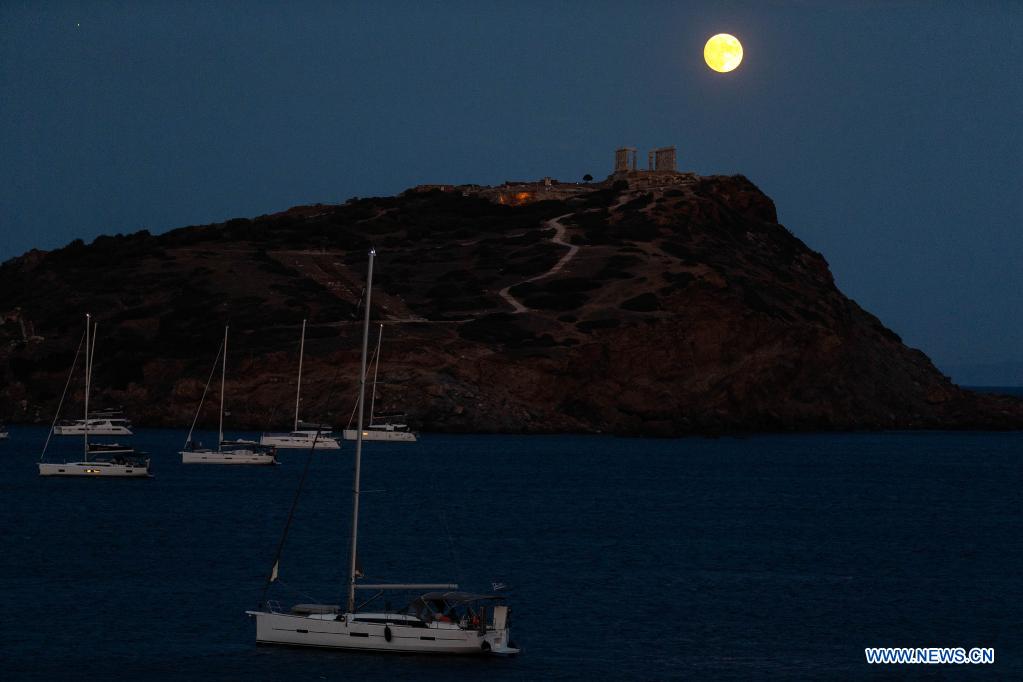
column 559, row 239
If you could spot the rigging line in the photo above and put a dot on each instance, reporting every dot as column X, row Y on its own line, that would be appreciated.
column 204, row 391
column 371, row 580
column 355, row 407
column 295, row 590
column 358, row 305
column 371, row 600
column 62, row 396
column 272, row 577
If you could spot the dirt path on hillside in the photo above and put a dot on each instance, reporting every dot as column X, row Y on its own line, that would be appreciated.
column 559, row 239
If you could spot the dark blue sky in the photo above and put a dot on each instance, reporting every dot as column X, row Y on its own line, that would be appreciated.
column 888, row 133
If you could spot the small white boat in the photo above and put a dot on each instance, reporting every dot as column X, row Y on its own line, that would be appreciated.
column 301, row 437
column 389, row 427
column 4, row 435
column 103, row 460
column 227, row 452
column 440, row 620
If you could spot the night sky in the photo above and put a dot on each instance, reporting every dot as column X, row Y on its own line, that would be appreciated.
column 888, row 133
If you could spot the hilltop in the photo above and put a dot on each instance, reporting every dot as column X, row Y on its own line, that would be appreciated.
column 658, row 303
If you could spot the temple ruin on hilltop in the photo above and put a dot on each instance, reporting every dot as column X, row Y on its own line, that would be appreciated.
column 661, row 170
column 661, row 159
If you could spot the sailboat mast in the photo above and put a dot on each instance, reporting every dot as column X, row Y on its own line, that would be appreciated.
column 376, row 369
column 88, row 379
column 353, row 558
column 223, row 378
column 298, row 390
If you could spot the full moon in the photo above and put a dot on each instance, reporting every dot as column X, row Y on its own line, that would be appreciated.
column 723, row 52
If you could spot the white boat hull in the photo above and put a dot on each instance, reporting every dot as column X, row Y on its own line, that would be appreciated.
column 232, row 457
column 299, row 442
column 94, row 469
column 79, row 430
column 379, row 435
column 326, row 632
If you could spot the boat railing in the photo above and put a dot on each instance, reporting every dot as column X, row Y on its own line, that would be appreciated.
column 273, row 606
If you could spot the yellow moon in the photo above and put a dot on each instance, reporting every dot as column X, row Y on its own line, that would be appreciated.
column 723, row 52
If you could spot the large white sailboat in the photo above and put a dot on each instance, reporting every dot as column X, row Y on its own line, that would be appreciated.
column 103, row 460
column 227, row 452
column 440, row 620
column 299, row 437
column 389, row 427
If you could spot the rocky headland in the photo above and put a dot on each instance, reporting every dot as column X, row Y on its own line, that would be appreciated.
column 650, row 303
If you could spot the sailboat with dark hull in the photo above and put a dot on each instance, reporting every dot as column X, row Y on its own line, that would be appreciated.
column 440, row 620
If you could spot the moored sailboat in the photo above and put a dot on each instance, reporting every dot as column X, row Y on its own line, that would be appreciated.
column 227, row 452
column 389, row 426
column 440, row 620
column 100, row 459
column 101, row 423
column 301, row 436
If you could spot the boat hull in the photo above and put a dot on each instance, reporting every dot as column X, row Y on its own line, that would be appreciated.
column 94, row 469
column 234, row 457
column 76, row 430
column 290, row 442
column 299, row 630
column 388, row 436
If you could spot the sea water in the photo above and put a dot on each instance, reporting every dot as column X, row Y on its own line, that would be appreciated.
column 767, row 556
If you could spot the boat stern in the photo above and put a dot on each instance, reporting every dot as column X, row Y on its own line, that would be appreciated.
column 500, row 644
column 497, row 640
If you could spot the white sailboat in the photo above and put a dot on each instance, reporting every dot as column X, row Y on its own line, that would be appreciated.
column 299, row 437
column 390, row 427
column 441, row 620
column 227, row 452
column 102, row 460
column 102, row 423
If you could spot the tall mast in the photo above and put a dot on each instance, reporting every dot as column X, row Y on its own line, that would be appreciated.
column 298, row 391
column 376, row 369
column 223, row 378
column 88, row 379
column 358, row 440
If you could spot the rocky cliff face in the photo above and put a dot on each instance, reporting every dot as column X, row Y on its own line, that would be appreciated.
column 655, row 305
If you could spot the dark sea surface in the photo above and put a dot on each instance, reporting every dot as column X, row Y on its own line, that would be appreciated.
column 763, row 557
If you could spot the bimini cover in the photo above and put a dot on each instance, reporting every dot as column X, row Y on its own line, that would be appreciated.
column 458, row 598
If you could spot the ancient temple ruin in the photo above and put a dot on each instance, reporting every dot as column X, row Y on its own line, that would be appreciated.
column 625, row 159
column 664, row 159
column 660, row 159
